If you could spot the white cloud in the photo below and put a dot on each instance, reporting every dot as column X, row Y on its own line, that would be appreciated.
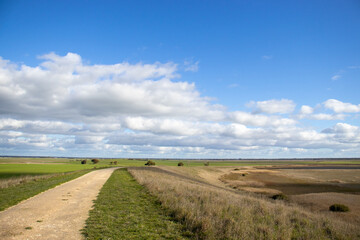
column 191, row 66
column 306, row 110
column 259, row 120
column 308, row 113
column 62, row 87
column 341, row 107
column 66, row 107
column 345, row 132
column 324, row 116
column 273, row 106
column 336, row 77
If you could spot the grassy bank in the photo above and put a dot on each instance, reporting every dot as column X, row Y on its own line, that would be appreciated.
column 215, row 213
column 125, row 210
column 12, row 195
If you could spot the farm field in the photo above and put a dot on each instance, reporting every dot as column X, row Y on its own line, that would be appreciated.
column 125, row 162
column 226, row 200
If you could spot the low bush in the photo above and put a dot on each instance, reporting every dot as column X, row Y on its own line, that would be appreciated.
column 95, row 161
column 150, row 163
column 83, row 162
column 280, row 196
column 180, row 164
column 339, row 208
column 206, row 164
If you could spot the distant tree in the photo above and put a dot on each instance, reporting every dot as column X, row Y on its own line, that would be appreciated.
column 95, row 161
column 111, row 163
column 150, row 163
column 206, row 164
column 83, row 161
column 115, row 162
column 180, row 164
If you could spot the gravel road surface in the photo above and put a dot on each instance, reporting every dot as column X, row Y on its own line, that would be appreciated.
column 58, row 213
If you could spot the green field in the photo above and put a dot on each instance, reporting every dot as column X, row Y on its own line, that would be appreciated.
column 17, row 170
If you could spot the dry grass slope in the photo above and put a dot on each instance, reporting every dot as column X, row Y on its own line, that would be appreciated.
column 215, row 213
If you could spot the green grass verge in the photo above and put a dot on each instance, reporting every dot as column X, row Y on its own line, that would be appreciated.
column 15, row 194
column 125, row 210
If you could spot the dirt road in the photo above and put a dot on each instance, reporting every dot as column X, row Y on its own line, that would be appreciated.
column 58, row 213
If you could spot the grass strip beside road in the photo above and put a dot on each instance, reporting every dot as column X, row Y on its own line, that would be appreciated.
column 12, row 195
column 125, row 210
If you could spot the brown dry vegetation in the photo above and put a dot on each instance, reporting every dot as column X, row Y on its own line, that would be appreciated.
column 313, row 189
column 213, row 212
column 16, row 180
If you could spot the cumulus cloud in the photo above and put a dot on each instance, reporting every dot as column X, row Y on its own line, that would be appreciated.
column 308, row 113
column 341, row 107
column 306, row 110
column 273, row 106
column 344, row 132
column 64, row 106
column 259, row 120
column 62, row 87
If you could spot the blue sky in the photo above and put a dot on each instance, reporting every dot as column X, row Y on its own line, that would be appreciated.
column 197, row 78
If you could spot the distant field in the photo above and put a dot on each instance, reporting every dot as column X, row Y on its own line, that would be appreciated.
column 15, row 170
column 187, row 163
column 228, row 199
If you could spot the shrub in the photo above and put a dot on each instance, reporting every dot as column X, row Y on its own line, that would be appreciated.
column 280, row 196
column 83, row 162
column 115, row 162
column 206, row 164
column 149, row 163
column 180, row 164
column 339, row 208
column 95, row 161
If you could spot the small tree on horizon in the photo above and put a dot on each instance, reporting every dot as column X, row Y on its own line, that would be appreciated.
column 180, row 164
column 95, row 161
column 83, row 161
column 150, row 163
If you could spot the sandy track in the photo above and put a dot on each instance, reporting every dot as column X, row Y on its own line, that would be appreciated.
column 58, row 213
